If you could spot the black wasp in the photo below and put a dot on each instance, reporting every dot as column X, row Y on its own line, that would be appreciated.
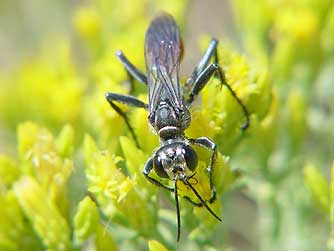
column 168, row 107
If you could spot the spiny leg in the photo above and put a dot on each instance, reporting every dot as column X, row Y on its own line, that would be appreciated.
column 146, row 171
column 202, row 74
column 127, row 100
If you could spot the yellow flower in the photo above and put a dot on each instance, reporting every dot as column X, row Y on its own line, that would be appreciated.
column 87, row 22
column 44, row 215
column 154, row 245
column 86, row 219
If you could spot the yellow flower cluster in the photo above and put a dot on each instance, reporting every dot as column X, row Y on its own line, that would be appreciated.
column 83, row 189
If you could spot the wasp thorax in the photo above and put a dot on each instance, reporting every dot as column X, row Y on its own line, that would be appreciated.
column 174, row 159
column 165, row 116
column 168, row 116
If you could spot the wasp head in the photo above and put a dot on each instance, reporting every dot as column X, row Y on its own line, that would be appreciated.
column 175, row 160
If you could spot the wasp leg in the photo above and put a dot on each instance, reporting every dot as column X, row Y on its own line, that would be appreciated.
column 127, row 100
column 203, row 79
column 132, row 71
column 200, row 204
column 210, row 51
column 210, row 145
column 202, row 74
column 146, row 171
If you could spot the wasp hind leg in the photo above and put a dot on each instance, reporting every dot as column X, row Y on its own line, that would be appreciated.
column 203, row 73
column 132, row 71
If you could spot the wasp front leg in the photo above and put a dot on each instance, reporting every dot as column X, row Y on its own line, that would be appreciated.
column 147, row 170
column 210, row 145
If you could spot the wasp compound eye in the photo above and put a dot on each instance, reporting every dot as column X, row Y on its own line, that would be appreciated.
column 190, row 157
column 158, row 167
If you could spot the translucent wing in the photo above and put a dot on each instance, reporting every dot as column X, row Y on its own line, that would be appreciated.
column 163, row 51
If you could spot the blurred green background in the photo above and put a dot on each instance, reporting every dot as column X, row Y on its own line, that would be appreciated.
column 59, row 138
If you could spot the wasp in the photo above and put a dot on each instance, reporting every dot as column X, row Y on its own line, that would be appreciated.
column 168, row 108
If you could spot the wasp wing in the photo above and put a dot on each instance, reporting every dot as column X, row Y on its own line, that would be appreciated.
column 163, row 52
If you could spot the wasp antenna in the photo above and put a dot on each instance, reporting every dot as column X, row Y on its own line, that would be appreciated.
column 201, row 199
column 177, row 210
